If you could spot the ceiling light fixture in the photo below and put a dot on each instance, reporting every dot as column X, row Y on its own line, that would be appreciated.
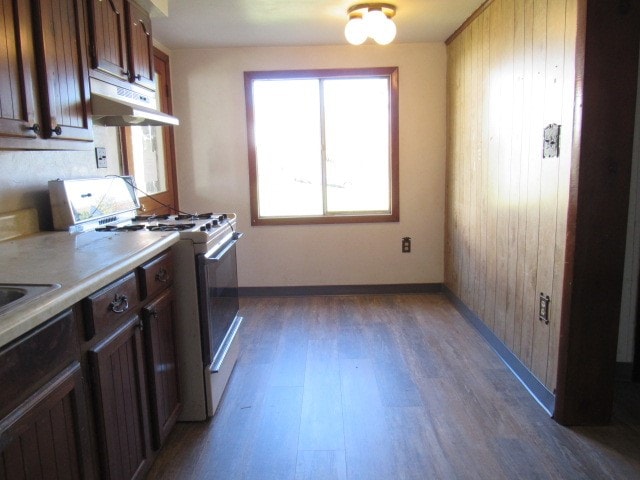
column 370, row 20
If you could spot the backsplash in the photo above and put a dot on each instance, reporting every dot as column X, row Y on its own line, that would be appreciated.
column 18, row 223
column 24, row 174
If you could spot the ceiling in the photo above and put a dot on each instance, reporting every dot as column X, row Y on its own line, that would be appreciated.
column 233, row 23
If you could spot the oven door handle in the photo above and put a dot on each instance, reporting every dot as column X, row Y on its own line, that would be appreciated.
column 221, row 253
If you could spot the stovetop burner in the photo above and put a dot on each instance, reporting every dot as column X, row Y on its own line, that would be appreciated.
column 201, row 216
column 120, row 228
column 148, row 218
column 173, row 227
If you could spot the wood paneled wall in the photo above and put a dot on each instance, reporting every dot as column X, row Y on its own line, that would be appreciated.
column 511, row 72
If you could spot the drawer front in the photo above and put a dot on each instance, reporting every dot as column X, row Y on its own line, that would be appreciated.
column 156, row 275
column 108, row 307
column 31, row 360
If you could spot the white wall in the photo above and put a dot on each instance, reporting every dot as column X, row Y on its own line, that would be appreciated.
column 211, row 145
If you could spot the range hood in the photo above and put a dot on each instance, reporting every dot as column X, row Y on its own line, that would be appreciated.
column 115, row 106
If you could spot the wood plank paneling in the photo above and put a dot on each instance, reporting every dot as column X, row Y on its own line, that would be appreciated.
column 533, row 155
column 506, row 205
column 516, row 234
column 549, row 185
column 491, row 186
column 564, row 172
column 522, row 154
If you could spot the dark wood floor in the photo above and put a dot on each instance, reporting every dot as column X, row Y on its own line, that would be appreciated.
column 385, row 387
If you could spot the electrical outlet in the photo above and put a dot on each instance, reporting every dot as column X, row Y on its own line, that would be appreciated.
column 406, row 244
column 101, row 157
column 543, row 311
column 551, row 146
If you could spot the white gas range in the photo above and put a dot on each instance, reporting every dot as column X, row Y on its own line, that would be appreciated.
column 205, row 284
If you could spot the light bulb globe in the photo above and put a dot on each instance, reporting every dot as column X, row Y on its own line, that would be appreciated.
column 374, row 20
column 386, row 32
column 355, row 31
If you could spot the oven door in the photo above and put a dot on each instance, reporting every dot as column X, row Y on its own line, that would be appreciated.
column 217, row 296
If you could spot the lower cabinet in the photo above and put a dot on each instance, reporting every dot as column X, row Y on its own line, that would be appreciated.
column 133, row 374
column 47, row 436
column 95, row 385
column 122, row 422
column 161, row 365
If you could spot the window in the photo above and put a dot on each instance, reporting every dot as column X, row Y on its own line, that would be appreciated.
column 148, row 151
column 323, row 146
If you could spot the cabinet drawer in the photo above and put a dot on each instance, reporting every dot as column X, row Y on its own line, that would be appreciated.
column 30, row 361
column 107, row 308
column 156, row 274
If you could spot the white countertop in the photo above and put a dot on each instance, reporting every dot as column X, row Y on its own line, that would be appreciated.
column 80, row 263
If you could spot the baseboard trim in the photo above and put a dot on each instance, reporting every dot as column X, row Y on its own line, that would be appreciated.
column 540, row 393
column 311, row 290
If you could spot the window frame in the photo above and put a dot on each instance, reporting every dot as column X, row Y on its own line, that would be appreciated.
column 166, row 201
column 394, row 169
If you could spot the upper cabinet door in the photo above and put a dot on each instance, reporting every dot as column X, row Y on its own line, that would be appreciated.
column 107, row 37
column 62, row 71
column 17, row 113
column 140, row 46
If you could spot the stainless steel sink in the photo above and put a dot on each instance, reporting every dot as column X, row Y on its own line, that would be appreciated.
column 13, row 295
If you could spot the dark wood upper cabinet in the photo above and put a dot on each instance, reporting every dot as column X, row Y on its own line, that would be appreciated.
column 43, row 57
column 59, row 27
column 17, row 112
column 48, row 51
column 141, row 46
column 108, row 42
column 120, row 43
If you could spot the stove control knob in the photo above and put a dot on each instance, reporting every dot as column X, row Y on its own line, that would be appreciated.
column 203, row 228
column 208, row 225
column 214, row 223
column 224, row 216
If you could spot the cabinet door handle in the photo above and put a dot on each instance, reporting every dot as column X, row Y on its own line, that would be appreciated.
column 163, row 275
column 57, row 130
column 119, row 304
column 35, row 127
column 138, row 77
